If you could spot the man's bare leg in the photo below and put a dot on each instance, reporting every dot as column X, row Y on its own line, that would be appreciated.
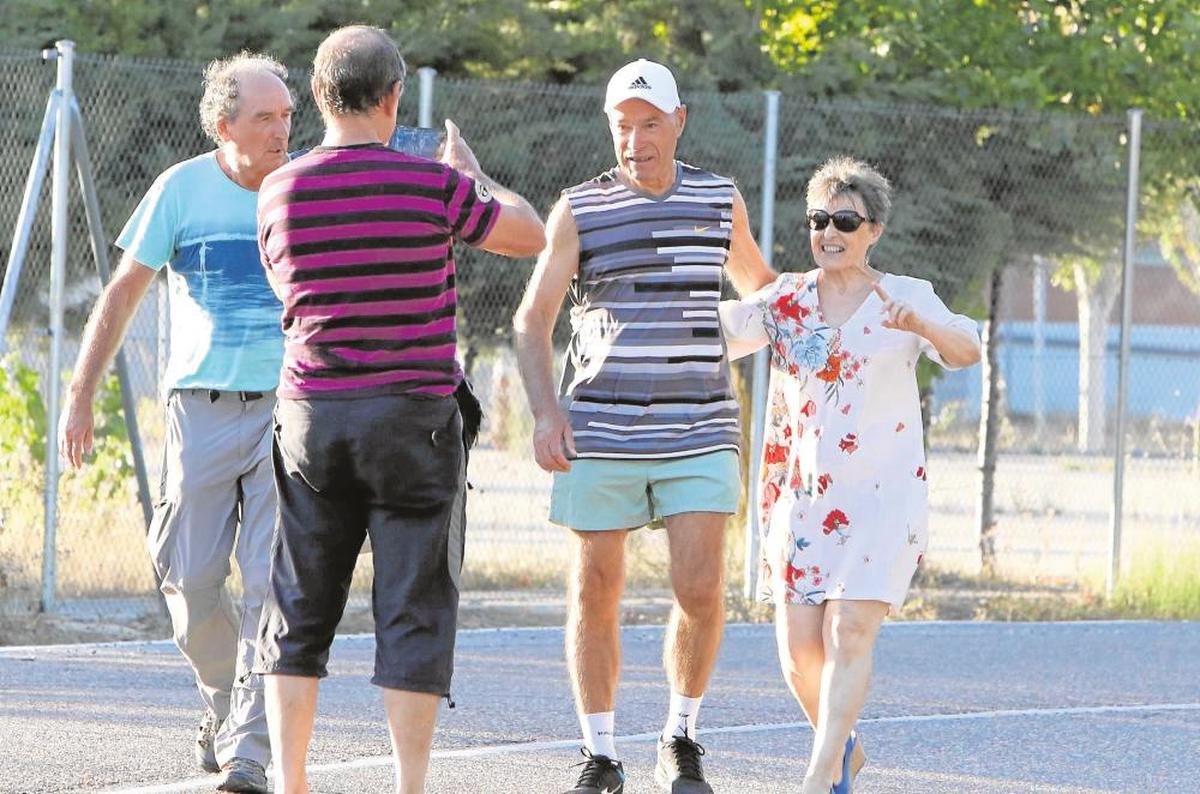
column 697, row 547
column 593, row 618
column 411, row 719
column 291, row 708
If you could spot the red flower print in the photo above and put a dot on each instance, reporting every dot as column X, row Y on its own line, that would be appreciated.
column 832, row 372
column 787, row 431
column 823, row 483
column 770, row 496
column 794, row 574
column 834, row 521
column 920, row 473
column 816, row 569
column 867, row 330
column 817, row 581
column 775, row 453
column 809, row 409
column 796, row 479
column 899, row 427
column 787, row 306
column 849, row 443
column 846, row 411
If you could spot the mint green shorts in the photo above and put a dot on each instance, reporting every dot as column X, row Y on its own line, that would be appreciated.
column 599, row 494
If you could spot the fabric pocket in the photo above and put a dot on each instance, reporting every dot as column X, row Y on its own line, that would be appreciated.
column 456, row 540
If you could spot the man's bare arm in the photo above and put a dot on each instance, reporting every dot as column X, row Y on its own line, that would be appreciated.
column 101, row 339
column 534, row 326
column 518, row 231
column 746, row 267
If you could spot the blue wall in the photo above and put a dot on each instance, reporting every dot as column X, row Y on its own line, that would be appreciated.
column 1164, row 372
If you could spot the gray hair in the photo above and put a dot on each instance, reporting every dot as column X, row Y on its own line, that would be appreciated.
column 355, row 68
column 842, row 176
column 223, row 87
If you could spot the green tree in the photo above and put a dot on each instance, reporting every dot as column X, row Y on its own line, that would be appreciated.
column 1091, row 57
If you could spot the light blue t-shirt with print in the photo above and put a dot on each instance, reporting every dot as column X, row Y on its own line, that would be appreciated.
column 225, row 319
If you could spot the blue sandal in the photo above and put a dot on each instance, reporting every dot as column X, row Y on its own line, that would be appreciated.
column 844, row 787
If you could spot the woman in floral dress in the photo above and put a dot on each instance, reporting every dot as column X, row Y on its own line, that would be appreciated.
column 842, row 498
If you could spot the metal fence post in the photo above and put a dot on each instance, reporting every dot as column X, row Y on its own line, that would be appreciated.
column 1039, row 346
column 29, row 203
column 58, row 272
column 758, row 394
column 1131, row 216
column 425, row 75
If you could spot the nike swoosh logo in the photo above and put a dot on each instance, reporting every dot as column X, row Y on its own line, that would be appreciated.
column 702, row 228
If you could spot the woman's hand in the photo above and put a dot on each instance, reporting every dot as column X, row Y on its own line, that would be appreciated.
column 898, row 314
column 956, row 347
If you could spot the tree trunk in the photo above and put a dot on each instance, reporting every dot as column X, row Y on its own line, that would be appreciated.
column 989, row 428
column 1095, row 297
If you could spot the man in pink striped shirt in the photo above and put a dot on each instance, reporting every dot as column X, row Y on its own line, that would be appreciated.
column 357, row 240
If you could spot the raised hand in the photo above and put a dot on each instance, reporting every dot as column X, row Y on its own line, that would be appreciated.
column 457, row 154
column 898, row 314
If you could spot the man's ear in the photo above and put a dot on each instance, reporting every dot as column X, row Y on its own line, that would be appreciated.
column 392, row 98
column 223, row 129
column 681, row 117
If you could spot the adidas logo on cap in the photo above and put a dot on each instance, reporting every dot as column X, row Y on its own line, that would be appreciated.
column 644, row 80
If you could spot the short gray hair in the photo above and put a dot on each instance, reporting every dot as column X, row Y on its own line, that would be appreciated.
column 842, row 176
column 355, row 68
column 223, row 87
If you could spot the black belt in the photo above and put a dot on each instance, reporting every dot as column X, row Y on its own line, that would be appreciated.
column 214, row 394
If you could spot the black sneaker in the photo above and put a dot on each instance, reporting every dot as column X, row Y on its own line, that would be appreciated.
column 600, row 775
column 243, row 774
column 206, row 742
column 678, row 769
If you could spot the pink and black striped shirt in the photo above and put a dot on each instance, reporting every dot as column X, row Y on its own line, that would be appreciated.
column 358, row 241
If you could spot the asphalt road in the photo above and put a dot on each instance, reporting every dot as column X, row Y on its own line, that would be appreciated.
column 955, row 707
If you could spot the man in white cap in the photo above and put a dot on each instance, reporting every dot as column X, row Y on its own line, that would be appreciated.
column 647, row 424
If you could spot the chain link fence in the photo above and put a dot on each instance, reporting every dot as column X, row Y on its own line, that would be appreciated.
column 1038, row 199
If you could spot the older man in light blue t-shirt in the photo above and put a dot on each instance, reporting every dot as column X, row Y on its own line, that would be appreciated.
column 217, row 499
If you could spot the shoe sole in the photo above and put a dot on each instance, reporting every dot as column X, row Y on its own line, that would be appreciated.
column 243, row 788
column 660, row 777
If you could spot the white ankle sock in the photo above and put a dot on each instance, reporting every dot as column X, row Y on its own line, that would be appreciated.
column 598, row 733
column 682, row 716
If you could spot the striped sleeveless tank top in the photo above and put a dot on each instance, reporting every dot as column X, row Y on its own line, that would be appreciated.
column 646, row 374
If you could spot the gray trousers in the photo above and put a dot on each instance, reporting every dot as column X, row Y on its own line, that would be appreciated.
column 217, row 500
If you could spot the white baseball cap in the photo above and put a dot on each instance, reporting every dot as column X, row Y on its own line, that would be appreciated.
column 643, row 79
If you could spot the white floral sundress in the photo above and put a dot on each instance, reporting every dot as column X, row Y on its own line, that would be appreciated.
column 842, row 498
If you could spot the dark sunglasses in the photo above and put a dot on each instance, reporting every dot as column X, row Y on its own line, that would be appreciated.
column 843, row 220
